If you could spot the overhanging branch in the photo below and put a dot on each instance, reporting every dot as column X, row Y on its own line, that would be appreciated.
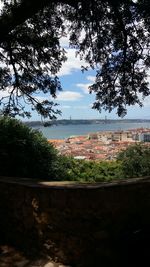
column 18, row 14
column 23, row 11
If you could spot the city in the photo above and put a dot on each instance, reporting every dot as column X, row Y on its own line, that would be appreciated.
column 101, row 145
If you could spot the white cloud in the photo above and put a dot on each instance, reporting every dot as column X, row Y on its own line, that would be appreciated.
column 72, row 64
column 69, row 96
column 91, row 78
column 81, row 107
column 65, row 107
column 4, row 93
column 64, row 41
column 1, row 6
column 41, row 98
column 7, row 91
column 146, row 101
column 84, row 87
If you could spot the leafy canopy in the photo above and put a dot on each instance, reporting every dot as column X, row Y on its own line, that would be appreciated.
column 71, row 169
column 24, row 152
column 135, row 161
column 115, row 42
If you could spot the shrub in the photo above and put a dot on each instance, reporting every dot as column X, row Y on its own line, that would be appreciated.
column 24, row 152
column 135, row 161
column 88, row 171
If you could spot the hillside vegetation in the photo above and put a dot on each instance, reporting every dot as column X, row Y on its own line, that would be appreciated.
column 25, row 153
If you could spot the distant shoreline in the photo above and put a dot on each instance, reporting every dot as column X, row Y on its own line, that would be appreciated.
column 85, row 122
column 62, row 131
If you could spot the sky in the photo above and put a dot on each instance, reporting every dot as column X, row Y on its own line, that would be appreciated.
column 75, row 102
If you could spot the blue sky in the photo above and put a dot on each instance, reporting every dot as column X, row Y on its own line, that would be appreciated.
column 75, row 101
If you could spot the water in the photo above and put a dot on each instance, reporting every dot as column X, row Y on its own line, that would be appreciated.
column 64, row 131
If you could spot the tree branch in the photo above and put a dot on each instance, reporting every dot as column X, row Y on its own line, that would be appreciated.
column 16, row 84
column 21, row 12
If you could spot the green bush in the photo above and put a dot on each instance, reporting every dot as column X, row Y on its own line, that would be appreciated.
column 88, row 171
column 135, row 161
column 24, row 152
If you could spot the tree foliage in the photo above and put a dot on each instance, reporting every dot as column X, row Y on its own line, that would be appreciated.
column 135, row 161
column 112, row 36
column 24, row 152
column 88, row 171
column 30, row 58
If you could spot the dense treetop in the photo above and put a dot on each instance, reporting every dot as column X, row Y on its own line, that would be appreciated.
column 114, row 40
column 25, row 153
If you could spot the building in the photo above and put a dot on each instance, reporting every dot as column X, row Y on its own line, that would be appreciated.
column 144, row 137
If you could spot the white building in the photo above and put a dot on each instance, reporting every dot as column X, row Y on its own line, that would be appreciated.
column 144, row 137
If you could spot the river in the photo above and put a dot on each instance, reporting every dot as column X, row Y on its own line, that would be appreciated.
column 64, row 131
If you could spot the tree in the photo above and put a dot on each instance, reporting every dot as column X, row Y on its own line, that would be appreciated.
column 135, row 161
column 24, row 152
column 71, row 169
column 116, row 42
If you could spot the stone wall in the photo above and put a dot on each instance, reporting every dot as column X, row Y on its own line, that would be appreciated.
column 78, row 224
